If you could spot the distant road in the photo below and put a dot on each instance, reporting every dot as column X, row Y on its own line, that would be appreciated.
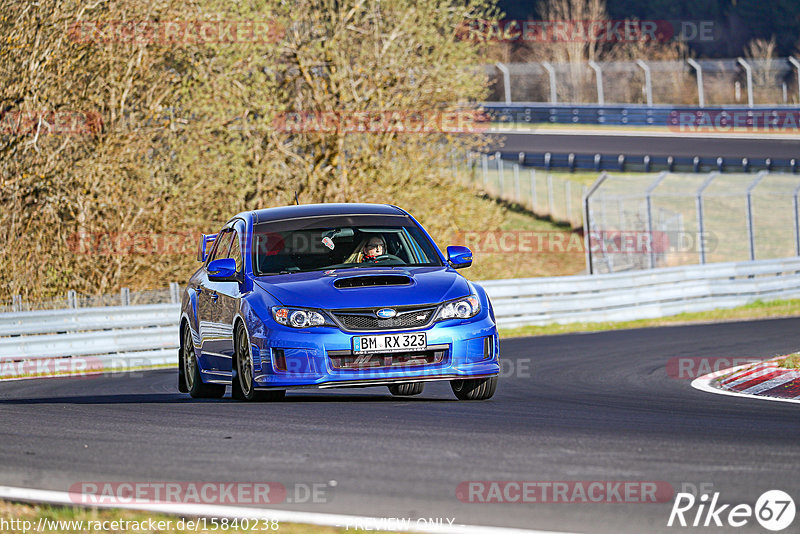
column 647, row 143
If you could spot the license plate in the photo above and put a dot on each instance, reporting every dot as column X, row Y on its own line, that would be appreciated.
column 390, row 343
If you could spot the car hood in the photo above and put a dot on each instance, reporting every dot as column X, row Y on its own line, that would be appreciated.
column 318, row 289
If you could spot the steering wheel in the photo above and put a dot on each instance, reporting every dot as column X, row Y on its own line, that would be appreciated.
column 390, row 257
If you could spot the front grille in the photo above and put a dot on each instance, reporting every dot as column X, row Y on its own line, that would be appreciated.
column 347, row 360
column 367, row 320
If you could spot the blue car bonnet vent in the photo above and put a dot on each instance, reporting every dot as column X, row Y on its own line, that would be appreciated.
column 372, row 280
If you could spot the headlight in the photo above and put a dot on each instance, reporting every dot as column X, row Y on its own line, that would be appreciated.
column 298, row 317
column 463, row 308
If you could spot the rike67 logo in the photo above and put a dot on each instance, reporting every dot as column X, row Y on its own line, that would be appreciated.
column 774, row 510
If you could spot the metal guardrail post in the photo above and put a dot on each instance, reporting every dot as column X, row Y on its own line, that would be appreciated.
column 533, row 190
column 485, row 168
column 500, row 178
column 701, row 240
column 174, row 292
column 516, row 183
column 550, row 200
column 648, row 193
column 648, row 81
column 587, row 220
column 506, row 81
column 125, row 296
column 795, row 203
column 749, row 70
column 598, row 71
column 551, row 72
column 796, row 65
column 568, row 197
column 16, row 303
column 749, row 200
column 72, row 299
column 701, row 97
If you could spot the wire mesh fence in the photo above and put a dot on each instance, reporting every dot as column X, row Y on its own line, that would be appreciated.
column 707, row 82
column 546, row 194
column 634, row 221
column 673, row 219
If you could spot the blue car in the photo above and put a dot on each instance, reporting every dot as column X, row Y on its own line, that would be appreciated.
column 333, row 295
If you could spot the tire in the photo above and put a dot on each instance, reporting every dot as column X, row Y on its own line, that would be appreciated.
column 406, row 390
column 474, row 388
column 242, row 387
column 189, row 371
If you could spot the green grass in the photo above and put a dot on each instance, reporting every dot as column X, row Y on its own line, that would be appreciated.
column 756, row 310
column 34, row 512
column 792, row 361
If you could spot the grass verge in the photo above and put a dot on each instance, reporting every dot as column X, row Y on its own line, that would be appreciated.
column 792, row 361
column 74, row 519
column 756, row 310
column 7, row 372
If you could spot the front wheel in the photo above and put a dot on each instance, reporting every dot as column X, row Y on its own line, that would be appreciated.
column 192, row 381
column 406, row 390
column 242, row 387
column 474, row 388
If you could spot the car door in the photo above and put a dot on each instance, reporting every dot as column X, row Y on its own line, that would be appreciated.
column 211, row 334
column 228, row 295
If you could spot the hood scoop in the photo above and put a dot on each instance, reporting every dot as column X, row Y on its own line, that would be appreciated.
column 372, row 280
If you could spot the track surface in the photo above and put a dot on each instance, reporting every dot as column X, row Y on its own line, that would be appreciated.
column 684, row 146
column 595, row 407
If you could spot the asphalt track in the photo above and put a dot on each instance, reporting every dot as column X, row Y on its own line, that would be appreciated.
column 632, row 144
column 590, row 407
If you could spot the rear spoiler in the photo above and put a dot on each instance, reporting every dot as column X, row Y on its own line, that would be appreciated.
column 203, row 248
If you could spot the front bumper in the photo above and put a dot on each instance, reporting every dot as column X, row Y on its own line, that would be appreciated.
column 292, row 358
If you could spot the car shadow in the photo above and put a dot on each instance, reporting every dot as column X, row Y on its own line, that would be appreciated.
column 182, row 398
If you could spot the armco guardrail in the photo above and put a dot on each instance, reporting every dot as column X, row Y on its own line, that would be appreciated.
column 629, row 114
column 122, row 337
column 94, row 339
column 641, row 294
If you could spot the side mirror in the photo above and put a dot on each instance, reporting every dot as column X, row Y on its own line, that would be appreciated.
column 203, row 246
column 459, row 257
column 222, row 270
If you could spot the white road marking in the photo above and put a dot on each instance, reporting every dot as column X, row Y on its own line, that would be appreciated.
column 703, row 383
column 282, row 516
column 771, row 383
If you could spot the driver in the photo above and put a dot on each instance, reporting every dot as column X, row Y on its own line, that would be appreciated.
column 374, row 247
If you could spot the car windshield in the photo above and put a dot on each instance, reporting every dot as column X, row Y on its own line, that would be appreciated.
column 340, row 247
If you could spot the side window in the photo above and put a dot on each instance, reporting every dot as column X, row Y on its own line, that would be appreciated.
column 236, row 251
column 222, row 245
